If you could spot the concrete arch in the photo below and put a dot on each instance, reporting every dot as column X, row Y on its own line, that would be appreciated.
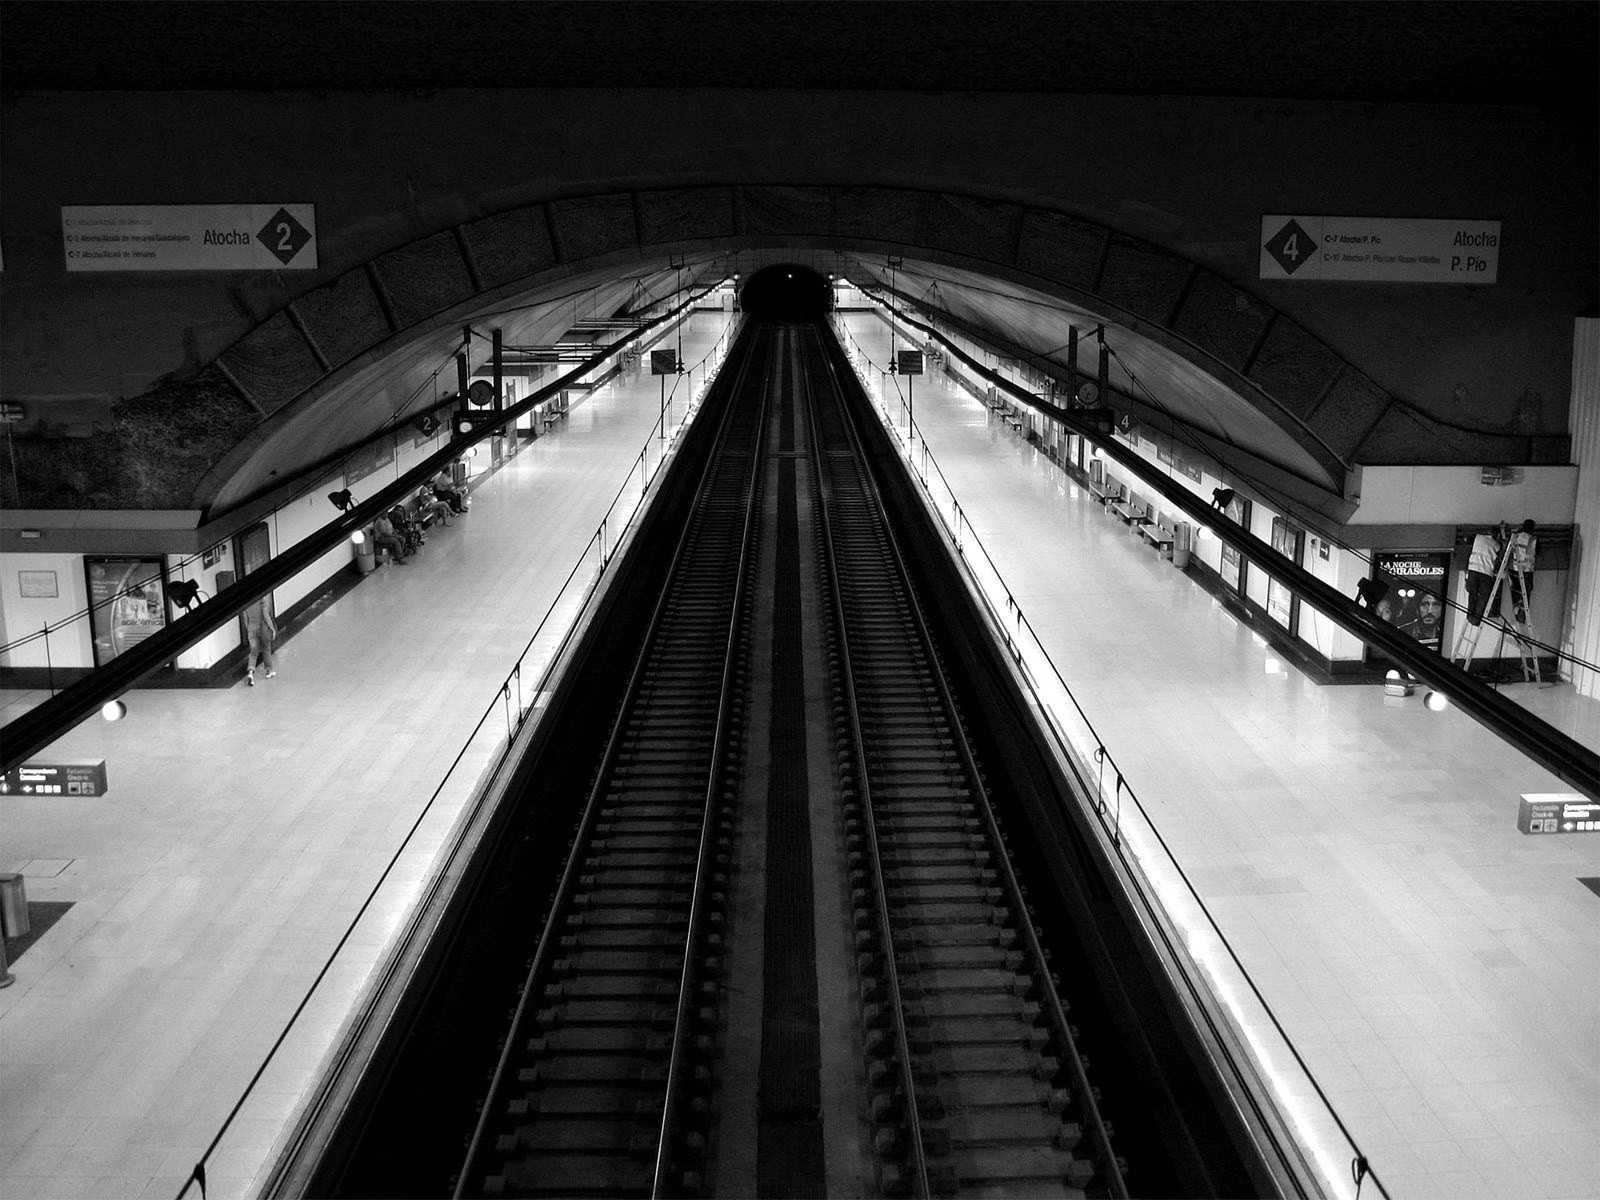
column 1295, row 382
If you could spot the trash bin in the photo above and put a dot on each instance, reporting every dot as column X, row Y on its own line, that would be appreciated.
column 1181, row 545
column 363, row 555
column 13, row 905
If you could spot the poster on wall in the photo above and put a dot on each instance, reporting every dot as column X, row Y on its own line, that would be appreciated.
column 1282, row 604
column 1181, row 458
column 127, row 603
column 1415, row 600
column 1232, row 569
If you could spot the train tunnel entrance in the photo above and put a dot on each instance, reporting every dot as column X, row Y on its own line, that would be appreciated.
column 787, row 292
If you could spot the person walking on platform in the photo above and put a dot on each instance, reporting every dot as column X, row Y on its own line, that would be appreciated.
column 260, row 630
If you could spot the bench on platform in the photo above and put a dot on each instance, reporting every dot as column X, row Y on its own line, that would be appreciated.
column 1133, row 514
column 1157, row 535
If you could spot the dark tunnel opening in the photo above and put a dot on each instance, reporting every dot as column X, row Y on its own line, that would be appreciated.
column 787, row 292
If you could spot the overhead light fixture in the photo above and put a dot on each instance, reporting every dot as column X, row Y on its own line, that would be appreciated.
column 183, row 592
column 1370, row 592
column 358, row 537
column 343, row 501
column 1222, row 497
column 113, row 710
column 1436, row 702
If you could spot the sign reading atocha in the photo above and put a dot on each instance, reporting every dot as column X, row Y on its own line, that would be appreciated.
column 1379, row 249
column 190, row 237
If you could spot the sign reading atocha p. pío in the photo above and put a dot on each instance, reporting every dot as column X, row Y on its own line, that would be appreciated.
column 1379, row 249
column 190, row 237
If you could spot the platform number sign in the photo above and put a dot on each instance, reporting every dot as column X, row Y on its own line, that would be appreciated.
column 1292, row 247
column 283, row 236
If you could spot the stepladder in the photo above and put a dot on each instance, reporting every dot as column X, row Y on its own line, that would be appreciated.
column 1466, row 647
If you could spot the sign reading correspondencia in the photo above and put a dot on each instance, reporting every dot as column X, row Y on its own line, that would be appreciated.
column 190, row 237
column 1379, row 249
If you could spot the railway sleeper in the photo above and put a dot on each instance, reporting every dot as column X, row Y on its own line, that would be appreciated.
column 594, row 1070
column 919, row 871
column 643, row 1012
column 679, row 844
column 602, row 917
column 601, row 1039
column 946, row 913
column 895, row 1180
column 971, row 979
column 578, row 1136
column 895, row 793
column 1008, row 1059
column 925, row 833
column 1041, row 1171
column 574, row 1175
column 619, row 939
column 581, row 990
column 947, row 893
column 618, row 962
column 659, row 899
column 970, row 955
column 590, row 1102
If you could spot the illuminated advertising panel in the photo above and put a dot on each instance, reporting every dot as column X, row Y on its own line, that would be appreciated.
column 127, row 603
column 1415, row 600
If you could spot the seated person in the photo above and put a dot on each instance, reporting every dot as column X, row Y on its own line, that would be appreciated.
column 383, row 534
column 407, row 528
column 448, row 492
column 431, row 508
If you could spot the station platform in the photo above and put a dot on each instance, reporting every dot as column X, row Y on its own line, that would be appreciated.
column 1434, row 967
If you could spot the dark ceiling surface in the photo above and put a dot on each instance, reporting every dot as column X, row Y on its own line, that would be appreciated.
column 1519, row 54
column 1524, row 52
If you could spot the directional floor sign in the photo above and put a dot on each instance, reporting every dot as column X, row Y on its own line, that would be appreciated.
column 1558, row 812
column 190, row 237
column 1379, row 249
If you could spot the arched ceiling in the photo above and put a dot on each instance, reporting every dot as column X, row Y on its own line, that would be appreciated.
column 391, row 383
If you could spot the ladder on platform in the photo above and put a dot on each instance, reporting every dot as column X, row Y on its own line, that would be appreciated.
column 1467, row 644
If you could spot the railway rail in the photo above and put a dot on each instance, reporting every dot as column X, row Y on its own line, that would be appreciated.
column 896, row 930
column 977, row 1081
column 601, row 1087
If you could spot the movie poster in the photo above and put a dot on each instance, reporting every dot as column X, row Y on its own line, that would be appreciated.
column 127, row 603
column 1415, row 600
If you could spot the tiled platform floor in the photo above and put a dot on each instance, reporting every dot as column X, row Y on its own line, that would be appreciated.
column 1437, row 968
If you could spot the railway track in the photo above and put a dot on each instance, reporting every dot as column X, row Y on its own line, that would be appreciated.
column 969, row 1079
column 602, row 1086
column 976, row 1084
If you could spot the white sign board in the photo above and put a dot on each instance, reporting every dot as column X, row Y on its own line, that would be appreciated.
column 190, row 237
column 1379, row 249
